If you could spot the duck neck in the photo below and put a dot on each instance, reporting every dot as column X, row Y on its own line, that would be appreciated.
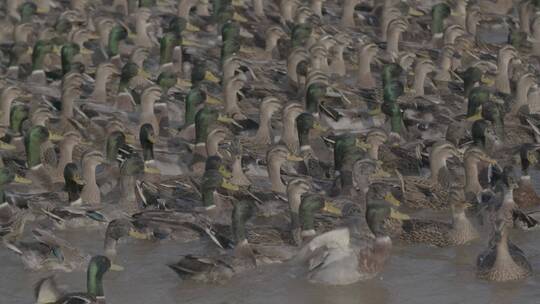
column 185, row 7
column 100, row 85
column 66, row 154
column 394, row 36
column 89, row 172
column 74, row 190
column 524, row 18
column 502, row 80
column 6, row 109
column 33, row 153
column 290, row 136
column 67, row 106
column 274, row 172
column 472, row 184
column 212, row 145
column 142, row 35
column 437, row 162
column 265, row 126
column 347, row 17
column 37, row 61
column 373, row 151
column 462, row 226
column 419, row 80
column 303, row 139
column 147, row 106
column 271, row 42
column 208, row 198
column 148, row 151
column 258, row 7
column 471, row 23
column 523, row 88
column 231, row 99
column 365, row 78
column 94, row 281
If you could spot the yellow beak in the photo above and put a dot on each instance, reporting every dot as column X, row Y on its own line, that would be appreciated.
column 192, row 28
column 239, row 18
column 224, row 172
column 292, row 157
column 475, row 117
column 389, row 197
column 210, row 77
column 488, row 160
column 130, row 139
column 183, row 83
column 487, row 80
column 79, row 180
column 152, row 139
column 362, row 145
column 144, row 73
column 415, row 13
column 116, row 267
column 331, row 208
column 137, row 235
column 211, row 100
column 21, row 180
column 375, row 112
column 151, row 170
column 6, row 146
column 86, row 51
column 229, row 186
column 318, row 127
column 398, row 215
column 55, row 137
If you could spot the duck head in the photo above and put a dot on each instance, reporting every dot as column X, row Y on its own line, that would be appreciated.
column 478, row 96
column 41, row 49
column 440, row 153
column 367, row 52
column 439, row 13
column 275, row 157
column 33, row 140
column 147, row 138
column 116, row 34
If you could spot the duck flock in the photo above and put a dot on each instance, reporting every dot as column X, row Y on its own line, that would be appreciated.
column 312, row 133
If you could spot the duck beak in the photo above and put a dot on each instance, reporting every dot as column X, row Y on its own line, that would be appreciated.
column 137, row 235
column 487, row 80
column 228, row 120
column 86, row 51
column 239, row 18
column 229, row 186
column 330, row 208
column 152, row 139
column 389, row 197
column 475, row 117
column 211, row 100
column 224, row 172
column 144, row 74
column 488, row 160
column 151, row 170
column 380, row 173
column 318, row 127
column 183, row 83
column 21, row 180
column 77, row 179
column 130, row 139
column 6, row 146
column 192, row 28
column 467, row 205
column 132, row 36
column 375, row 111
column 56, row 50
column 292, row 157
column 187, row 42
column 55, row 137
column 116, row 267
column 415, row 13
column 362, row 145
column 211, row 77
column 398, row 215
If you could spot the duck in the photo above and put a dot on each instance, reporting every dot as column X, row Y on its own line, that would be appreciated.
column 502, row 261
column 419, row 191
column 441, row 234
column 47, row 291
column 525, row 196
column 342, row 256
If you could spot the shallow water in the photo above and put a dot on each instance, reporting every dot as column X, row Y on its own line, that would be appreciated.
column 414, row 274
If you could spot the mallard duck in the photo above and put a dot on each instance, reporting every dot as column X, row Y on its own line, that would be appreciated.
column 48, row 252
column 502, row 260
column 420, row 192
column 525, row 196
column 459, row 232
column 342, row 256
column 47, row 292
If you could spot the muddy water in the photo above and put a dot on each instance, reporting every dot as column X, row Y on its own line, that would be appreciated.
column 415, row 274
